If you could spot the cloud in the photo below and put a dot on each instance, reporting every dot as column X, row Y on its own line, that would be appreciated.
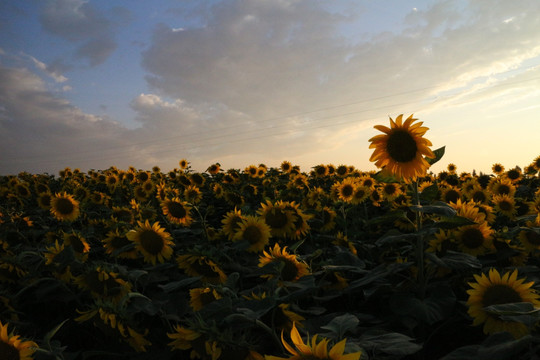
column 83, row 23
column 272, row 63
column 58, row 77
column 40, row 131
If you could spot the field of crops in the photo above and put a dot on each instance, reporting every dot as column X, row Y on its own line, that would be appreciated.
column 273, row 263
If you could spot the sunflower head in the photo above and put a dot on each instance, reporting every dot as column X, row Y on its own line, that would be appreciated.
column 402, row 148
column 12, row 347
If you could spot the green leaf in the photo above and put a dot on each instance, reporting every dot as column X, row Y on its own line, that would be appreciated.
column 455, row 260
column 389, row 343
column 438, row 155
column 387, row 217
column 340, row 325
column 48, row 336
column 430, row 193
column 438, row 207
column 384, row 176
column 176, row 285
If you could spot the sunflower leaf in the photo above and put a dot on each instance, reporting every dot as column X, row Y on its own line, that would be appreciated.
column 389, row 343
column 340, row 325
column 438, row 207
column 48, row 336
column 438, row 155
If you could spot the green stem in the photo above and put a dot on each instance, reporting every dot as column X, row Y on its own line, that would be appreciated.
column 419, row 244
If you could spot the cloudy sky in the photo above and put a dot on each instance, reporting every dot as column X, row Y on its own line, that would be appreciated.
column 91, row 84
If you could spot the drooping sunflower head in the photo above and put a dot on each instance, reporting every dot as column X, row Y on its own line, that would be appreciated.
column 152, row 241
column 316, row 350
column 495, row 289
column 402, row 148
column 64, row 207
column 290, row 269
column 12, row 347
column 208, row 270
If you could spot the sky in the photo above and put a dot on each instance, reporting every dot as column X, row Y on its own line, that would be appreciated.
column 99, row 83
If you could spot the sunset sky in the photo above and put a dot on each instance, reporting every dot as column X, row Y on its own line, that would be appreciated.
column 92, row 84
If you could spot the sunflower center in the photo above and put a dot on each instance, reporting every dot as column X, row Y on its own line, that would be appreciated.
column 451, row 196
column 389, row 189
column 347, row 190
column 503, row 189
column 472, row 238
column 500, row 294
column 289, row 270
column 276, row 218
column 151, row 241
column 505, row 206
column 64, row 206
column 401, row 146
column 176, row 210
column 8, row 352
column 252, row 234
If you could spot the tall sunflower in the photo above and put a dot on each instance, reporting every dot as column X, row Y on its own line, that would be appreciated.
column 402, row 148
column 12, row 347
column 64, row 207
column 317, row 349
column 152, row 241
column 495, row 289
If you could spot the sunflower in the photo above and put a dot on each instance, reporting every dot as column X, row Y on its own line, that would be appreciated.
column 283, row 317
column 103, row 284
column 298, row 181
column 231, row 223
column 301, row 226
column 122, row 213
column 530, row 239
column 12, row 347
column 291, row 269
column 177, row 211
column 400, row 150
column 140, row 194
column 452, row 168
column 78, row 243
column 183, row 164
column 450, row 194
column 255, row 231
column 342, row 170
column 152, row 241
column 214, row 169
column 62, row 270
column 199, row 297
column 280, row 220
column 22, row 190
column 286, row 167
column 495, row 289
column 328, row 217
column 514, row 174
column 505, row 205
column 192, row 194
column 501, row 186
column 476, row 239
column 182, row 338
column 202, row 266
column 478, row 194
column 64, row 207
column 497, row 169
column 251, row 170
column 390, row 191
column 117, row 240
column 317, row 350
column 344, row 189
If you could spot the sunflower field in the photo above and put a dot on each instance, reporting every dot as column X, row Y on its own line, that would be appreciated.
column 274, row 263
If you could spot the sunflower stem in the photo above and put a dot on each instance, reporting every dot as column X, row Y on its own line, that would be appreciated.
column 419, row 244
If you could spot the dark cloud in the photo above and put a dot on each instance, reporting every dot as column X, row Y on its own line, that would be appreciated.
column 84, row 24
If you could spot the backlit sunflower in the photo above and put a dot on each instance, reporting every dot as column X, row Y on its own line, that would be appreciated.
column 317, row 350
column 255, row 231
column 286, row 166
column 12, row 347
column 202, row 266
column 495, row 289
column 497, row 169
column 177, row 211
column 402, row 148
column 291, row 269
column 64, row 207
column 152, row 241
column 183, row 164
